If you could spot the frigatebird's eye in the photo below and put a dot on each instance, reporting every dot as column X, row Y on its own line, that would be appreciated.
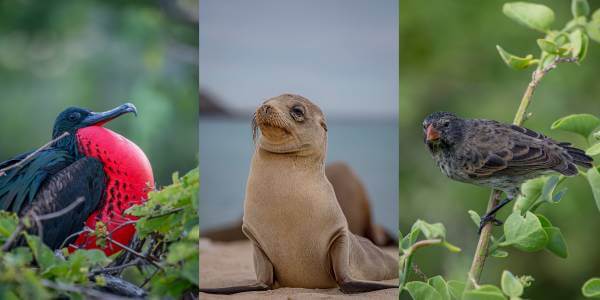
column 297, row 112
column 74, row 116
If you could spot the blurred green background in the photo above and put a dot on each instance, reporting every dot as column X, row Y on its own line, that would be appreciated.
column 448, row 61
column 97, row 55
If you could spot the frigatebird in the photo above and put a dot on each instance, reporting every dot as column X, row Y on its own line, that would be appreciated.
column 100, row 170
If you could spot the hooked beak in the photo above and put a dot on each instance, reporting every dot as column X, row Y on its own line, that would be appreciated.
column 101, row 118
column 432, row 134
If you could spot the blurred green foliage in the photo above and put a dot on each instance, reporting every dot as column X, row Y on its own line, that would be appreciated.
column 97, row 55
column 449, row 61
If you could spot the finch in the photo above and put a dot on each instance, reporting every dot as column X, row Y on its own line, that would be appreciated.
column 496, row 155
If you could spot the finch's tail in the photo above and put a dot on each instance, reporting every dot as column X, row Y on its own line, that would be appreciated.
column 577, row 156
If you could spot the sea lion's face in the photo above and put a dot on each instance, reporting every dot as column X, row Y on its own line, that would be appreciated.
column 290, row 124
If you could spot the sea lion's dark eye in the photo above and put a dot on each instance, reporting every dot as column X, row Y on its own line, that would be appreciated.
column 74, row 116
column 297, row 112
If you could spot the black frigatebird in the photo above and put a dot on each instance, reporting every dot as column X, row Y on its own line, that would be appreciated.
column 104, row 169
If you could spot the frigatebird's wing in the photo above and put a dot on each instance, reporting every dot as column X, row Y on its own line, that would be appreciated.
column 48, row 183
column 84, row 179
column 21, row 183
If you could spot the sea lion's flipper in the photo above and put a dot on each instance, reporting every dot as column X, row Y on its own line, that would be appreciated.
column 236, row 289
column 342, row 257
column 262, row 267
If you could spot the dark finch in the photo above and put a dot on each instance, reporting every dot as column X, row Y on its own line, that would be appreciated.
column 496, row 155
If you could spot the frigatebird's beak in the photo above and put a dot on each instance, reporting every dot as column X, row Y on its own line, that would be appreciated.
column 101, row 118
column 432, row 134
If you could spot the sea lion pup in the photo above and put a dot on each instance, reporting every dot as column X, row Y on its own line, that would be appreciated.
column 299, row 233
column 353, row 199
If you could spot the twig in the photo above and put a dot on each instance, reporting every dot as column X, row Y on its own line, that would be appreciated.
column 481, row 251
column 140, row 255
column 63, row 211
column 134, row 262
column 13, row 237
column 20, row 227
column 85, row 229
column 88, row 292
column 32, row 154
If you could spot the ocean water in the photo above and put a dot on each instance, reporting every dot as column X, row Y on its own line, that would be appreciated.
column 226, row 148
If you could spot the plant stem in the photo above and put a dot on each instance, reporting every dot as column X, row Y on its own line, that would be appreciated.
column 481, row 252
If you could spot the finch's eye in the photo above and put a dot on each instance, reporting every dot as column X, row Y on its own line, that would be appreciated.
column 297, row 112
column 74, row 116
column 446, row 123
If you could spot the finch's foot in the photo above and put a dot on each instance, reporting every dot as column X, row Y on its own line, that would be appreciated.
column 488, row 218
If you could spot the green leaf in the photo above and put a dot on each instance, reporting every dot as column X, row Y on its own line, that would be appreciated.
column 593, row 150
column 525, row 234
column 579, row 44
column 591, row 288
column 593, row 178
column 515, row 62
column 549, row 187
column 544, row 221
column 596, row 15
column 548, row 46
column 511, row 285
column 456, row 289
column 422, row 291
column 535, row 16
column 475, row 217
column 593, row 28
column 439, row 284
column 43, row 255
column 556, row 242
column 484, row 292
column 582, row 124
column 430, row 231
column 499, row 253
column 531, row 191
column 408, row 240
column 580, row 8
column 450, row 247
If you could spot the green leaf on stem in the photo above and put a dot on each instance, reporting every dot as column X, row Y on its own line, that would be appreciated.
column 524, row 233
column 591, row 288
column 556, row 242
column 579, row 44
column 531, row 190
column 430, row 231
column 484, row 292
column 419, row 290
column 593, row 178
column 515, row 62
column 548, row 46
column 475, row 217
column 535, row 16
column 593, row 28
column 511, row 285
column 440, row 285
column 456, row 289
column 593, row 150
column 497, row 253
column 596, row 15
column 582, row 124
column 580, row 8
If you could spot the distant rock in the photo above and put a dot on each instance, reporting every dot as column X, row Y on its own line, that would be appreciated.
column 212, row 106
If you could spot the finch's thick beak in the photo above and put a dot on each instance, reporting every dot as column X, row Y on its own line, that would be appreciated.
column 431, row 134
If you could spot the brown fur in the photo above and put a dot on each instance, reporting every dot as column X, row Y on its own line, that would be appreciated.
column 291, row 214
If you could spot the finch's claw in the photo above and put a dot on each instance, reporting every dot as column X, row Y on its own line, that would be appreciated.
column 488, row 219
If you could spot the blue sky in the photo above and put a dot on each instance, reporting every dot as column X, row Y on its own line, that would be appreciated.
column 342, row 54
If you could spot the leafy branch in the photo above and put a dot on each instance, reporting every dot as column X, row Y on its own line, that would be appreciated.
column 566, row 45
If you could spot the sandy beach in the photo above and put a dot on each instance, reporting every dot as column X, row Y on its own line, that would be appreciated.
column 227, row 264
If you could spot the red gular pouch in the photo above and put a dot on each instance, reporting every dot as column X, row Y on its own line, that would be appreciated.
column 129, row 179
